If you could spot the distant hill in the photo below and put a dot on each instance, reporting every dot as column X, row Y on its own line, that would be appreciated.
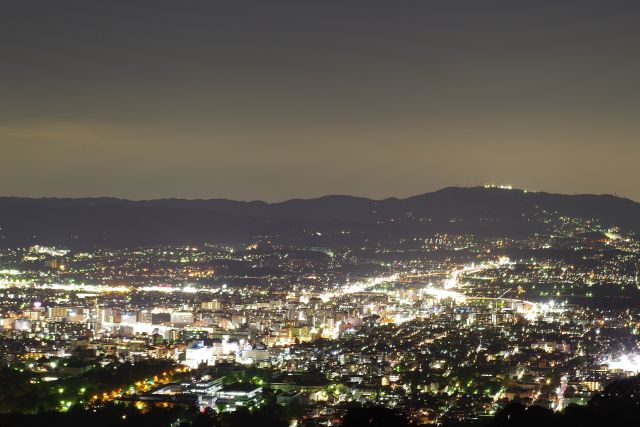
column 118, row 222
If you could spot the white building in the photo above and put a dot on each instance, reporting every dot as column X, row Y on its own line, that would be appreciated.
column 197, row 353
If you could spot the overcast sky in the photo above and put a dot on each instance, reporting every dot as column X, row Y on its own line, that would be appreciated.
column 273, row 100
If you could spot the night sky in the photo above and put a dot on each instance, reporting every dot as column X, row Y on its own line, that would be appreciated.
column 273, row 100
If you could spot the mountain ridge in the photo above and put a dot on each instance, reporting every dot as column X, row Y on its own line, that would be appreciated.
column 4, row 199
column 113, row 221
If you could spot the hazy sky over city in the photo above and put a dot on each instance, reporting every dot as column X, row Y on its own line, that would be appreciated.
column 273, row 100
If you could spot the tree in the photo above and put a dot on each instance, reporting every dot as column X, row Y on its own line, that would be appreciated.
column 376, row 416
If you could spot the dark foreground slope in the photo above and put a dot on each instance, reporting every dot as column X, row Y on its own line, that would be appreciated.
column 117, row 222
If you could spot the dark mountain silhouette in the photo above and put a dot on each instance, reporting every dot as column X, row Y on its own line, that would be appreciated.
column 118, row 222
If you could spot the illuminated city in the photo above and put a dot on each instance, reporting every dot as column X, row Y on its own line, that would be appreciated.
column 446, row 329
column 289, row 213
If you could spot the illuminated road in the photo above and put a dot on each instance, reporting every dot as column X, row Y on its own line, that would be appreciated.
column 358, row 287
column 530, row 309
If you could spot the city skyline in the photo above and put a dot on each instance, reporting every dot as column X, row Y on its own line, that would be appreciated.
column 319, row 213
